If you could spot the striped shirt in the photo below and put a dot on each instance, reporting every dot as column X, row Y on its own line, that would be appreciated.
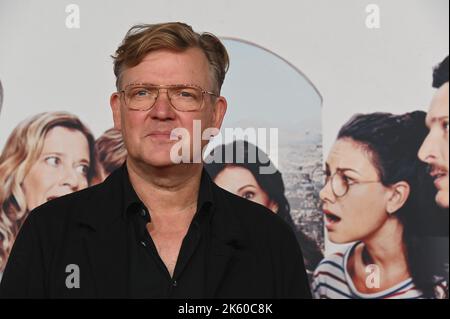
column 331, row 280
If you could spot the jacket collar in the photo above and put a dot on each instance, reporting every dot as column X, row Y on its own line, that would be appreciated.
column 107, row 243
column 205, row 198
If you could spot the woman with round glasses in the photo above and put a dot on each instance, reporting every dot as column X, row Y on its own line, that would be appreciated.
column 375, row 196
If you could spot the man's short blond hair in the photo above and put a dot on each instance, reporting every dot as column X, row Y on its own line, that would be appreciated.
column 143, row 39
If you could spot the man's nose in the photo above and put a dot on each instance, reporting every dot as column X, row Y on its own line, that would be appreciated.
column 162, row 109
column 427, row 150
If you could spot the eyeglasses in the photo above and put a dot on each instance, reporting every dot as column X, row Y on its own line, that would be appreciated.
column 340, row 184
column 183, row 98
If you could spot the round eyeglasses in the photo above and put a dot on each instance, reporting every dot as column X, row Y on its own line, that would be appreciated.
column 340, row 184
column 183, row 98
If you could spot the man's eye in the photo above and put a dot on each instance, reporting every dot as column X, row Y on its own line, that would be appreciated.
column 141, row 93
column 445, row 126
column 186, row 94
column 53, row 161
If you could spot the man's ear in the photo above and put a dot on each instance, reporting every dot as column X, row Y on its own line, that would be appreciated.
column 115, row 103
column 219, row 111
column 399, row 194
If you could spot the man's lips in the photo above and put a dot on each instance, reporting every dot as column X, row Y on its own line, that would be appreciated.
column 160, row 135
column 438, row 175
column 331, row 218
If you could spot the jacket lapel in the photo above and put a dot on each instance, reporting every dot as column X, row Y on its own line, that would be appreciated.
column 217, row 263
column 107, row 246
column 106, row 241
column 108, row 257
column 226, row 238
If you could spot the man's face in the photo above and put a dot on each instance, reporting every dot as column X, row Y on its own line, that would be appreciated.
column 434, row 150
column 147, row 133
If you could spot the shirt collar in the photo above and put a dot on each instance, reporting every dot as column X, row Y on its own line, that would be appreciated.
column 206, row 203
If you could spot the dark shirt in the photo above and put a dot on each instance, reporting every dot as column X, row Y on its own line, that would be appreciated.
column 89, row 245
column 149, row 277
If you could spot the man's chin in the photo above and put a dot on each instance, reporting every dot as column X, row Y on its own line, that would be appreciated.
column 159, row 162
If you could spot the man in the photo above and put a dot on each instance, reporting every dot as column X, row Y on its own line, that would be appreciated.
column 434, row 150
column 156, row 229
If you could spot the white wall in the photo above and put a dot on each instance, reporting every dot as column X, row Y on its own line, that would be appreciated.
column 356, row 69
column 46, row 66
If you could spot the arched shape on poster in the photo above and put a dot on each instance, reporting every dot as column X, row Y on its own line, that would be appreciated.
column 265, row 92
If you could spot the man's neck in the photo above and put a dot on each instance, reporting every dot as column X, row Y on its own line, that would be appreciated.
column 170, row 193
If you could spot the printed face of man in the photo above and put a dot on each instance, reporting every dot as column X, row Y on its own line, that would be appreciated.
column 434, row 150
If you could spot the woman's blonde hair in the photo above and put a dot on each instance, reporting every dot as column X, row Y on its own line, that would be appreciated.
column 21, row 151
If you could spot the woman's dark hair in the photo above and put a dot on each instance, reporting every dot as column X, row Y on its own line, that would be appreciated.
column 250, row 157
column 392, row 143
column 440, row 74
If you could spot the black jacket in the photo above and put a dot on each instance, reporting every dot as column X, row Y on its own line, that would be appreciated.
column 253, row 253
